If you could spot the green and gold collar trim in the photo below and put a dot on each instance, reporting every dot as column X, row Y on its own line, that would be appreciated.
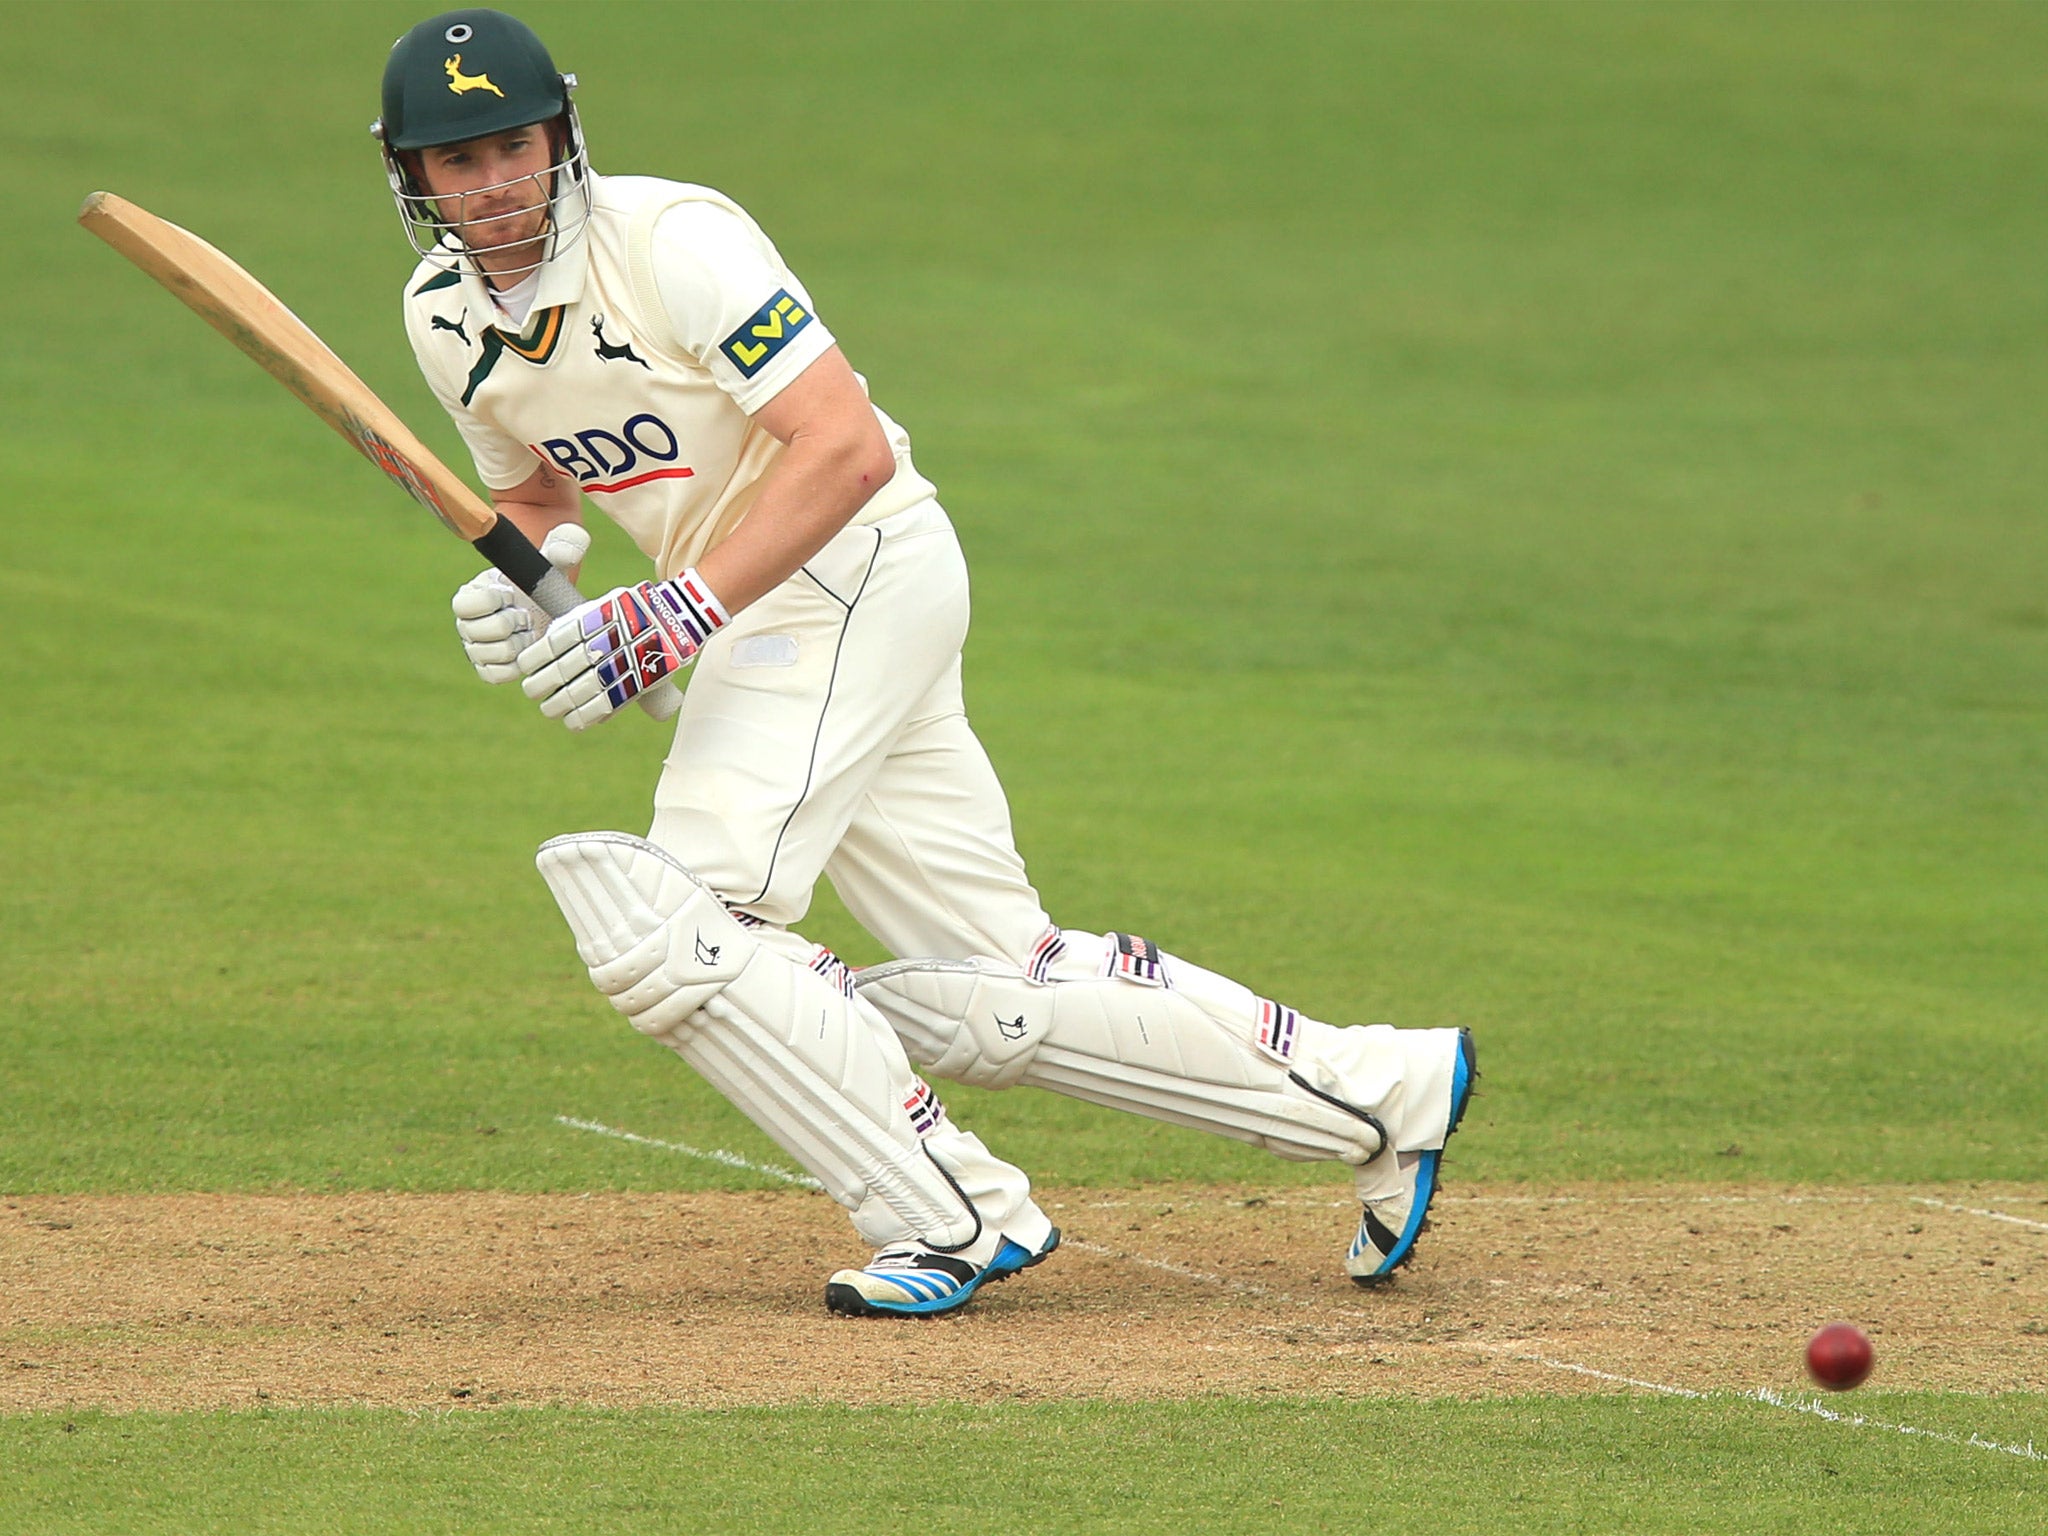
column 536, row 344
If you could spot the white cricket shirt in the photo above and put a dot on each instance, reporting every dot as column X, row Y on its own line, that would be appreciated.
column 650, row 343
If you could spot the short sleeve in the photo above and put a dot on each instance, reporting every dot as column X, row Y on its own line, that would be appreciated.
column 502, row 462
column 732, row 303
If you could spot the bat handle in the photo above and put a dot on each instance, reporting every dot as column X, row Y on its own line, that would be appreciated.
column 512, row 552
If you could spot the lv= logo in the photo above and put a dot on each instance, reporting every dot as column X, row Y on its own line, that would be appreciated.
column 782, row 317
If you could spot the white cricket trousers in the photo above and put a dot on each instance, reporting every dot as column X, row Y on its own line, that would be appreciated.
column 823, row 732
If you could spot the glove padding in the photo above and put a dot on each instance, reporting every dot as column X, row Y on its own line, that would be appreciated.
column 596, row 658
column 496, row 621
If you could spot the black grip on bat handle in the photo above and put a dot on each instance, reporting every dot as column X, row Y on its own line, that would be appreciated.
column 508, row 548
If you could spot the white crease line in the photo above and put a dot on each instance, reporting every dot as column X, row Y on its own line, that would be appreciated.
column 1587, row 1370
column 1246, row 1286
column 1971, row 1210
column 1762, row 1395
column 1802, row 1405
column 1773, row 1399
column 714, row 1155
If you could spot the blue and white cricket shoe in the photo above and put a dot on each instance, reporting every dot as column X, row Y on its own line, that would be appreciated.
column 911, row 1282
column 1390, row 1224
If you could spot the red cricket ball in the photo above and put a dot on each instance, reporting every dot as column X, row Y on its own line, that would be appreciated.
column 1839, row 1357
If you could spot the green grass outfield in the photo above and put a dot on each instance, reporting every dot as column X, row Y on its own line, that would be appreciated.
column 1523, row 1465
column 1522, row 516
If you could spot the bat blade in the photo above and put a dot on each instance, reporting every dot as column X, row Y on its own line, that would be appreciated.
column 223, row 294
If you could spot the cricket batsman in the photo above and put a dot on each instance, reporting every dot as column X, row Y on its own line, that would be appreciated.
column 641, row 345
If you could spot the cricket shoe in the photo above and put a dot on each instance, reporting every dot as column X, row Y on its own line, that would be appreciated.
column 912, row 1282
column 1392, row 1221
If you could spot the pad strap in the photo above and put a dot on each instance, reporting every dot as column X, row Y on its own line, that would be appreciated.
column 1123, row 1025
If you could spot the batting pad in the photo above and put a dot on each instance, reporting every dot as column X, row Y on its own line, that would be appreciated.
column 816, row 1069
column 1118, row 1023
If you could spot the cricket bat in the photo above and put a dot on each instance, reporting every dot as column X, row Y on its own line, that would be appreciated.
column 227, row 298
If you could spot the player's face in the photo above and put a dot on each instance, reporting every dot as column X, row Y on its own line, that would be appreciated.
column 494, row 190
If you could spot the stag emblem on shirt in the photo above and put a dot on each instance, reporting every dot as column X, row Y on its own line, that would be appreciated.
column 613, row 352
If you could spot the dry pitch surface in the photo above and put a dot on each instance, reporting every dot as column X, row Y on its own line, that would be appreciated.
column 200, row 1301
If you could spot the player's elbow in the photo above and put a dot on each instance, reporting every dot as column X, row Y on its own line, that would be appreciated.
column 870, row 461
column 873, row 457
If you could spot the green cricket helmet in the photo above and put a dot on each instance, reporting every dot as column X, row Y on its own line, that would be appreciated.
column 466, row 75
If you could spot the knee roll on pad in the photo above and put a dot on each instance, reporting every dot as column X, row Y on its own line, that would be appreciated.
column 657, row 942
column 1139, row 1031
column 792, row 1051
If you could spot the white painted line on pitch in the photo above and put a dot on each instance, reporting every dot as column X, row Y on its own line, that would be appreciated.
column 1971, row 1210
column 1248, row 1288
column 1181, row 1270
column 713, row 1155
column 1587, row 1370
column 1763, row 1395
column 1973, row 1439
column 1772, row 1399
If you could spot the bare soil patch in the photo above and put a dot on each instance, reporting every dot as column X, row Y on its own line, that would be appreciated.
column 198, row 1301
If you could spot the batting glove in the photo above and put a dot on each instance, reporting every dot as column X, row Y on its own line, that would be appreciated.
column 496, row 621
column 596, row 658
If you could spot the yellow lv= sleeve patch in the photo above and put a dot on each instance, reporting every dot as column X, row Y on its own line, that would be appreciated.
column 765, row 333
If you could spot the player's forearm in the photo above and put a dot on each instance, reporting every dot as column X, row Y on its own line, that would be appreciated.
column 816, row 488
column 540, row 505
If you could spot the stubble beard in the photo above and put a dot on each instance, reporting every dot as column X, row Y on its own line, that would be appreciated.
column 507, row 238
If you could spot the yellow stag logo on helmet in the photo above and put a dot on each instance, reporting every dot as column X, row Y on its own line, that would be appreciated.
column 458, row 82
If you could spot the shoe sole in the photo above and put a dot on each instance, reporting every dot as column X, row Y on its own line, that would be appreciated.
column 1463, row 1076
column 1011, row 1258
